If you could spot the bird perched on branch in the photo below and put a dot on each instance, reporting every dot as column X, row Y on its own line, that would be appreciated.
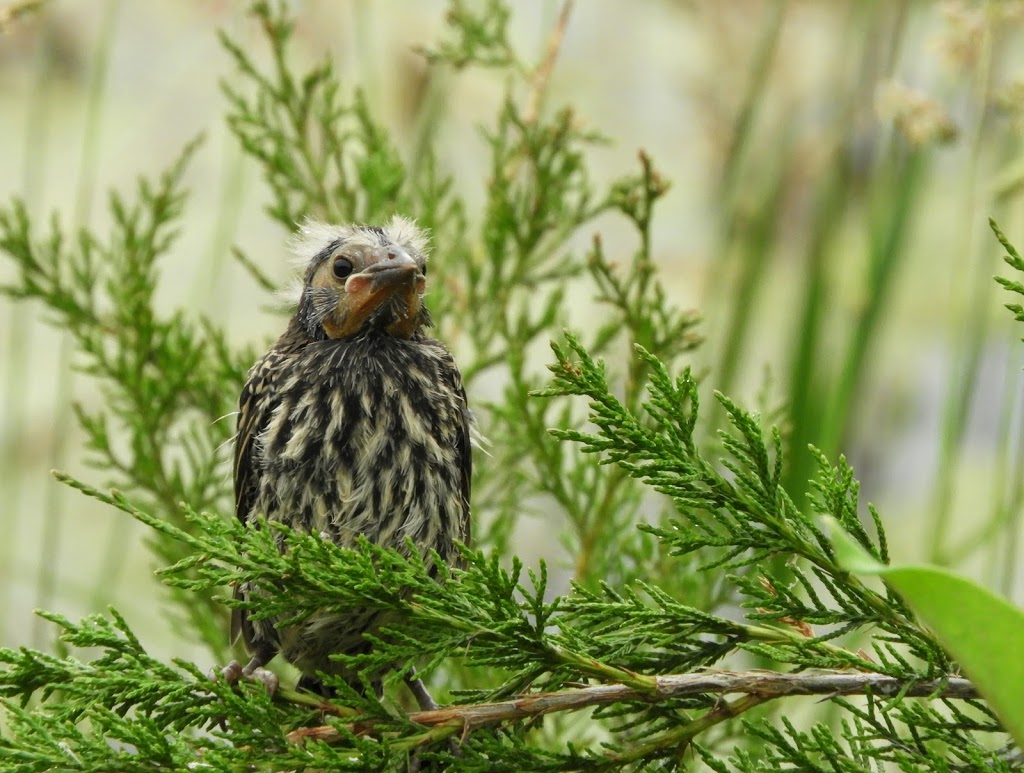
column 354, row 423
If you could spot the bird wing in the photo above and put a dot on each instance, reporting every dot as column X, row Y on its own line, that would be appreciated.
column 465, row 447
column 255, row 406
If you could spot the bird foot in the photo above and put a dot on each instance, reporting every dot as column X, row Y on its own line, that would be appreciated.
column 421, row 693
column 233, row 672
column 267, row 678
column 427, row 703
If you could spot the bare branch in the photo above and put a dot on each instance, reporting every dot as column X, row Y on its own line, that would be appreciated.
column 766, row 685
column 542, row 74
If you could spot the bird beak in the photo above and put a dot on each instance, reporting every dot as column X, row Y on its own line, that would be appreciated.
column 396, row 274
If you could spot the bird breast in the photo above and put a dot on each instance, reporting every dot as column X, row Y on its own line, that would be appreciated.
column 366, row 438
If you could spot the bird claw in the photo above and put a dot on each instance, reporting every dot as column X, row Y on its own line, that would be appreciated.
column 267, row 678
column 233, row 672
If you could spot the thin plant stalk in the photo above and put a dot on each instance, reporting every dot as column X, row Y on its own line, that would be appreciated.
column 19, row 330
column 966, row 363
column 46, row 580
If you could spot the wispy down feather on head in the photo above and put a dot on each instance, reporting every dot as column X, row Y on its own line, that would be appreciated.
column 357, row 278
column 313, row 237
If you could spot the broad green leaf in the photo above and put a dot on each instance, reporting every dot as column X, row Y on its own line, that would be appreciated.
column 983, row 631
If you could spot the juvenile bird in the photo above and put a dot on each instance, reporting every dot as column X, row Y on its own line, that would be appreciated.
column 354, row 423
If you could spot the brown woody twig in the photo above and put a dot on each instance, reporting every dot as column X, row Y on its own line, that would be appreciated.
column 765, row 685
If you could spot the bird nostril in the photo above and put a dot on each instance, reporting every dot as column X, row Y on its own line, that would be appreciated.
column 392, row 254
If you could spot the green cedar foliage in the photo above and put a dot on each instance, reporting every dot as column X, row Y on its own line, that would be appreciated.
column 724, row 571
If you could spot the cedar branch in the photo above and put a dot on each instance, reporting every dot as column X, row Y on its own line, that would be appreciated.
column 765, row 685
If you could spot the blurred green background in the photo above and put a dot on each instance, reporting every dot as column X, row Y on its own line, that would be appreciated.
column 833, row 164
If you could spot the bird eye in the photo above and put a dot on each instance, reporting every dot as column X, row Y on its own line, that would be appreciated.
column 342, row 267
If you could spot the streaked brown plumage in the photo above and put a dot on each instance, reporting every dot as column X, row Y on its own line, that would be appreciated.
column 355, row 422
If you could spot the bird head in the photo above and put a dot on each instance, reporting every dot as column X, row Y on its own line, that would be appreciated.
column 362, row 277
